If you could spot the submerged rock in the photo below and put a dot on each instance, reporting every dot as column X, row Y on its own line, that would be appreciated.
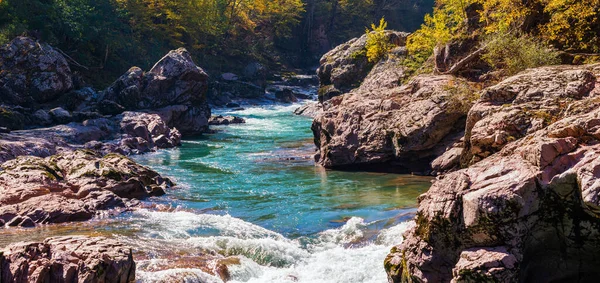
column 67, row 259
column 528, row 212
column 72, row 186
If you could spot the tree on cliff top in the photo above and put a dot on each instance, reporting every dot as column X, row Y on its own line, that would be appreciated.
column 377, row 44
column 569, row 25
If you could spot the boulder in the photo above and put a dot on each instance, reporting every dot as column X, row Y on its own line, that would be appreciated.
column 32, row 73
column 60, row 115
column 392, row 126
column 72, row 186
column 67, row 259
column 344, row 68
column 229, row 77
column 528, row 212
column 225, row 120
column 286, row 95
column 175, row 80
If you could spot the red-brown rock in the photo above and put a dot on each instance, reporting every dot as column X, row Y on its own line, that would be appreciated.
column 67, row 259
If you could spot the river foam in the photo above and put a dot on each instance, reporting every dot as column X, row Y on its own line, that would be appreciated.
column 335, row 255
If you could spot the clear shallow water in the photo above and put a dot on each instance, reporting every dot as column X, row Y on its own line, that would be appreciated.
column 262, row 199
column 251, row 192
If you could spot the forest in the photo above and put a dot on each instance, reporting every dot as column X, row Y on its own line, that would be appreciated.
column 103, row 38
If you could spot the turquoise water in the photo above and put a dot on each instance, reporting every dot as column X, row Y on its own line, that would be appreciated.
column 262, row 172
column 253, row 191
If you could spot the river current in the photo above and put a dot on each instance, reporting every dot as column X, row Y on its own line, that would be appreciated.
column 252, row 192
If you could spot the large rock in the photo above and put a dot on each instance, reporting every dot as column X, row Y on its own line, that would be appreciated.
column 174, row 81
column 383, row 122
column 521, row 105
column 344, row 67
column 529, row 212
column 67, row 259
column 72, row 186
column 32, row 73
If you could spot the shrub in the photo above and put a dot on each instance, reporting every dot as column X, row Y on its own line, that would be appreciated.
column 513, row 53
column 378, row 44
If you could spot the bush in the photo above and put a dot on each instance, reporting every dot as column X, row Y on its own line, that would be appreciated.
column 513, row 53
column 378, row 44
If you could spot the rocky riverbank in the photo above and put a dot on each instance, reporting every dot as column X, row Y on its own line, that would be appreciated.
column 527, row 206
column 524, row 207
column 62, row 154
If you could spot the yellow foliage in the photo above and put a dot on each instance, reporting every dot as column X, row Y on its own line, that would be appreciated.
column 574, row 24
column 378, row 44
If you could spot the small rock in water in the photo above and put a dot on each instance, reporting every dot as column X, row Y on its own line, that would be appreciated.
column 232, row 105
column 225, row 120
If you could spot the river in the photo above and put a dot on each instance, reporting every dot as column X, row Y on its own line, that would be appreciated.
column 251, row 192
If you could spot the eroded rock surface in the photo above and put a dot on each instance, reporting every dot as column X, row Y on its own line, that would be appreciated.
column 72, row 186
column 384, row 122
column 67, row 259
column 344, row 67
column 521, row 105
column 530, row 211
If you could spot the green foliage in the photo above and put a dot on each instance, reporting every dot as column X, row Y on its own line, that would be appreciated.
column 113, row 35
column 378, row 44
column 513, row 54
column 569, row 25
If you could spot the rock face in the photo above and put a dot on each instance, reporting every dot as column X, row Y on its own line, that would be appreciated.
column 521, row 105
column 383, row 122
column 175, row 88
column 72, row 186
column 32, row 73
column 343, row 68
column 530, row 211
column 67, row 259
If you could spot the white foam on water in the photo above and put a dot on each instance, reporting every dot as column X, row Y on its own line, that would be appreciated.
column 184, row 225
column 330, row 262
column 335, row 255
column 393, row 235
column 347, row 234
column 264, row 251
column 270, row 110
column 187, row 275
